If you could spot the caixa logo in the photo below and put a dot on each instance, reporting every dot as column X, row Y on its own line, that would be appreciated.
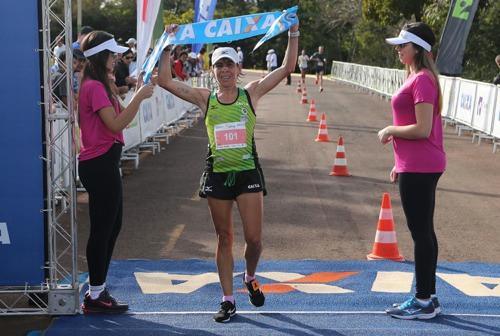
column 4, row 234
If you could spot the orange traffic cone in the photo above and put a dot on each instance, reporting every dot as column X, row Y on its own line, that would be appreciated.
column 312, row 112
column 323, row 130
column 299, row 90
column 385, row 245
column 340, row 164
column 303, row 100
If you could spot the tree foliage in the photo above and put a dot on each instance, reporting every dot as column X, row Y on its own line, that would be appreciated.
column 350, row 30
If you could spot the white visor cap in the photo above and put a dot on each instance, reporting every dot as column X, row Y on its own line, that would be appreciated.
column 405, row 37
column 110, row 45
column 224, row 52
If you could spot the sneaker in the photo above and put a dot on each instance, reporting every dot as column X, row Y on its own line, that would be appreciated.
column 435, row 302
column 320, row 89
column 255, row 295
column 226, row 311
column 412, row 309
column 105, row 304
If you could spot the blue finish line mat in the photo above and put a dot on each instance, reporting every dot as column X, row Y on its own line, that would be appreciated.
column 178, row 297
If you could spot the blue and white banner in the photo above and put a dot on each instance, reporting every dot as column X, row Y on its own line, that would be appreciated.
column 236, row 28
column 287, row 19
column 203, row 11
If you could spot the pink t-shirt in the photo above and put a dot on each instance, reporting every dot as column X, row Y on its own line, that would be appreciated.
column 418, row 155
column 96, row 138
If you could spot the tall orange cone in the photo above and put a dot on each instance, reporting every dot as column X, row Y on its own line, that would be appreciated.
column 299, row 90
column 323, row 130
column 340, row 164
column 312, row 112
column 385, row 245
column 303, row 100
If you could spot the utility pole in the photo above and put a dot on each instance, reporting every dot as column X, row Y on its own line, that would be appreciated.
column 78, row 15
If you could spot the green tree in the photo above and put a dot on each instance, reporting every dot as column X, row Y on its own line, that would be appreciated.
column 391, row 12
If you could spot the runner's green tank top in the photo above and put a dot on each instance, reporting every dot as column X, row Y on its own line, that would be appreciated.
column 230, row 129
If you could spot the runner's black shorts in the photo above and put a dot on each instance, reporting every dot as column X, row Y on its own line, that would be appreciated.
column 320, row 69
column 217, row 185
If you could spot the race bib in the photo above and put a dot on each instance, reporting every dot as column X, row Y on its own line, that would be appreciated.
column 230, row 135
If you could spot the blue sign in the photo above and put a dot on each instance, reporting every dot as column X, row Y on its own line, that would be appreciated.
column 22, row 240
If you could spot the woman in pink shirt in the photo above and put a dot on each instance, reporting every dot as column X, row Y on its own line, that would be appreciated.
column 102, row 121
column 420, row 160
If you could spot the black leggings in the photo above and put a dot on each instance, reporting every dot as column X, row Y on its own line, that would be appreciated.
column 418, row 193
column 101, row 178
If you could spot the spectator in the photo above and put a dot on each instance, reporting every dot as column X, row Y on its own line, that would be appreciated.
column 60, row 89
column 271, row 60
column 240, row 59
column 132, row 44
column 60, row 47
column 83, row 32
column 496, row 81
column 179, row 66
column 79, row 61
column 124, row 81
column 191, row 67
column 202, row 60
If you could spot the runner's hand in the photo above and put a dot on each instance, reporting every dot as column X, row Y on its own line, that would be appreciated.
column 171, row 28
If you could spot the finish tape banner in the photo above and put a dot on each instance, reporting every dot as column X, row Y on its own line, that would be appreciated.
column 22, row 240
column 236, row 28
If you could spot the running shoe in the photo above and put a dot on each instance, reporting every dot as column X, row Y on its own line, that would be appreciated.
column 226, row 311
column 435, row 302
column 104, row 304
column 255, row 295
column 412, row 309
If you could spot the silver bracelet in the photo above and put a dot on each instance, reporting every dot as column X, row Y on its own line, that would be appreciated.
column 294, row 34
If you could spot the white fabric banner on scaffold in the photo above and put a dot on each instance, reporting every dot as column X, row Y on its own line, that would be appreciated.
column 147, row 12
column 465, row 101
column 496, row 118
column 484, row 108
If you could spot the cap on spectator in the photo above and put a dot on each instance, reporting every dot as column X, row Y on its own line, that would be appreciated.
column 418, row 33
column 78, row 54
column 270, row 51
column 192, row 55
column 224, row 52
column 131, row 40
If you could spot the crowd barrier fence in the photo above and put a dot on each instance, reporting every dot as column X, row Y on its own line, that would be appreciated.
column 473, row 106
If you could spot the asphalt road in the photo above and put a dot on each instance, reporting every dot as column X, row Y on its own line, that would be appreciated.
column 307, row 214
